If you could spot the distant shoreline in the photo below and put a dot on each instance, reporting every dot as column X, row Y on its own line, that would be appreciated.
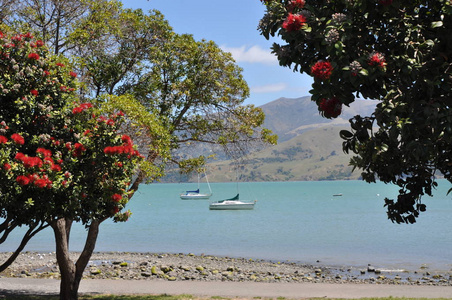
column 190, row 267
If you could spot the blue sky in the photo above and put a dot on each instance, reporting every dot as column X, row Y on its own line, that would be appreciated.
column 232, row 25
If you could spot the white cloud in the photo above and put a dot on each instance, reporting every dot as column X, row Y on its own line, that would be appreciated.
column 269, row 88
column 254, row 54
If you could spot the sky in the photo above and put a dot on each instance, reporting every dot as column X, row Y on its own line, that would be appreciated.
column 232, row 25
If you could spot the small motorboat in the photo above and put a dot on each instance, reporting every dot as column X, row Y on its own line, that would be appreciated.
column 232, row 204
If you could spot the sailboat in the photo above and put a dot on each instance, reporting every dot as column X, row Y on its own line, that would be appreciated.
column 233, row 203
column 195, row 195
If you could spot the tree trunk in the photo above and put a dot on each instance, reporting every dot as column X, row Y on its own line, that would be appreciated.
column 31, row 232
column 71, row 273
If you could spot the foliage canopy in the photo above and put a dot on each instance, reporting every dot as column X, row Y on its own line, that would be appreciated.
column 395, row 52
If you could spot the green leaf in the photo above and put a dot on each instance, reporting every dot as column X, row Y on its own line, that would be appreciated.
column 364, row 72
column 436, row 24
column 345, row 134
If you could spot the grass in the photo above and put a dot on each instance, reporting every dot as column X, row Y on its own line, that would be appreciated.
column 179, row 297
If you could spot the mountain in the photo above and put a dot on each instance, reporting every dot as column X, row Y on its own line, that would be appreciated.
column 309, row 146
column 289, row 117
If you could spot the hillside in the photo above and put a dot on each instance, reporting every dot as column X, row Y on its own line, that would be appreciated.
column 290, row 117
column 313, row 155
column 309, row 146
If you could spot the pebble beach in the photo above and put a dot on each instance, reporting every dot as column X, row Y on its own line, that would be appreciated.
column 207, row 268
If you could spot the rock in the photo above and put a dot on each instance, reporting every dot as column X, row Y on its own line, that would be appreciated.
column 154, row 270
column 166, row 269
column 200, row 268
column 95, row 271
column 185, row 268
column 370, row 269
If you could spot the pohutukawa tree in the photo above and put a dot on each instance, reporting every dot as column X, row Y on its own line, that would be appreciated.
column 398, row 53
column 61, row 161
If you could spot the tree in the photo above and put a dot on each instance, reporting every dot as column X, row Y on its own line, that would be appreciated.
column 193, row 88
column 396, row 52
column 123, row 44
column 115, row 49
column 61, row 160
column 198, row 90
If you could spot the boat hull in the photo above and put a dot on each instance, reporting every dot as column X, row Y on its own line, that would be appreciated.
column 232, row 205
column 195, row 196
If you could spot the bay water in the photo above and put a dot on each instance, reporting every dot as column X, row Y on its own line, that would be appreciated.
column 304, row 222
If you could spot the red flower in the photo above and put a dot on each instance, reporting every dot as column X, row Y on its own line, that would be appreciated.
column 34, row 56
column 81, row 108
column 78, row 149
column 322, row 70
column 22, row 180
column 41, row 183
column 39, row 43
column 77, row 110
column 34, row 92
column 116, row 197
column 44, row 152
column 73, row 74
column 29, row 162
column 56, row 168
column 331, row 108
column 3, row 139
column 18, row 139
column 126, row 139
column 19, row 156
column 294, row 22
column 6, row 166
column 295, row 4
column 46, row 73
column 377, row 59
column 60, row 64
column 28, row 35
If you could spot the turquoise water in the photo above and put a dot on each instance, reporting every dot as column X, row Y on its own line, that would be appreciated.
column 295, row 221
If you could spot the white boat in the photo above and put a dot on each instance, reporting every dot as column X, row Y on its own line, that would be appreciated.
column 193, row 195
column 196, row 195
column 232, row 204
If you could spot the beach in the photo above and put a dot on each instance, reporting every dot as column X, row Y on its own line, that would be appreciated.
column 205, row 275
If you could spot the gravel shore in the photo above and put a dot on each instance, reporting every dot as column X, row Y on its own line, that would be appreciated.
column 206, row 268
